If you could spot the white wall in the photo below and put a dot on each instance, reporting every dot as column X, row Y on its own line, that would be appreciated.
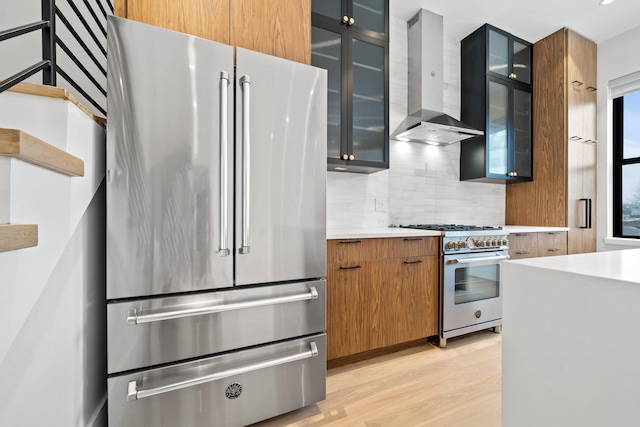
column 422, row 184
column 617, row 57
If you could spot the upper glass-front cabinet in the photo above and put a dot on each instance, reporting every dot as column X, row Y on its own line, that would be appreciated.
column 350, row 40
column 509, row 56
column 366, row 16
column 496, row 98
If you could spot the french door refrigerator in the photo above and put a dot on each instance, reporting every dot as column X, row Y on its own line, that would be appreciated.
column 216, row 250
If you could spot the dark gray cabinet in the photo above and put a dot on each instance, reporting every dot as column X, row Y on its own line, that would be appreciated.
column 350, row 39
column 496, row 98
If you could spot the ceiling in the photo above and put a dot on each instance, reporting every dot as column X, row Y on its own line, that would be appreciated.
column 529, row 20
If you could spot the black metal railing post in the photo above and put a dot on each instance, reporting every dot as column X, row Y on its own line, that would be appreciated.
column 49, row 42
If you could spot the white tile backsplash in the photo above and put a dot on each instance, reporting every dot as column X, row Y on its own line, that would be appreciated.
column 423, row 183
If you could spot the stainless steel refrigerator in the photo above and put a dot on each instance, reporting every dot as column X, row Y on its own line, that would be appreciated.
column 216, row 250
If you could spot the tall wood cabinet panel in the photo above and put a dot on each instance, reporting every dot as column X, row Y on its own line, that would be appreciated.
column 563, row 193
column 278, row 27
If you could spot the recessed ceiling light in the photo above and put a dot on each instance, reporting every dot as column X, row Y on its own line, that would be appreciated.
column 606, row 2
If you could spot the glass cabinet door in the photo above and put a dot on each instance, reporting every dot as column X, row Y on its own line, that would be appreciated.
column 326, row 51
column 521, row 62
column 497, row 135
column 331, row 8
column 499, row 53
column 369, row 15
column 368, row 102
column 522, row 133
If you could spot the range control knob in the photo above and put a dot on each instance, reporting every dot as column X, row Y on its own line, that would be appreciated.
column 462, row 244
column 450, row 245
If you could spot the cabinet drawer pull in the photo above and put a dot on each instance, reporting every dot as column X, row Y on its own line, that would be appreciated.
column 522, row 252
column 522, row 234
column 575, row 138
column 412, row 239
column 349, row 242
column 553, row 233
column 350, row 268
column 554, row 250
column 413, row 262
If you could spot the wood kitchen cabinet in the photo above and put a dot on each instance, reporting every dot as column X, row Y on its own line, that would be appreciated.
column 380, row 293
column 563, row 193
column 538, row 244
column 278, row 27
column 350, row 40
column 496, row 98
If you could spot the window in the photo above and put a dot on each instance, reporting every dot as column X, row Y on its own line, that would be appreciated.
column 626, row 165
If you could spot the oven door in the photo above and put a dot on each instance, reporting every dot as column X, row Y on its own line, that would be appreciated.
column 472, row 291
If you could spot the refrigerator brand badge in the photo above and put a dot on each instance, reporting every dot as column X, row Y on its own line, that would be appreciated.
column 233, row 390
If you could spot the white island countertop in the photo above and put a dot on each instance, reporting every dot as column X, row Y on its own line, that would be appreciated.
column 614, row 265
column 571, row 340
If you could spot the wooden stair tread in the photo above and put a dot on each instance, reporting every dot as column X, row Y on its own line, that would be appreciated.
column 18, row 236
column 55, row 92
column 21, row 145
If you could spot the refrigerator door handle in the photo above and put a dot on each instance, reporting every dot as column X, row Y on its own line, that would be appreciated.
column 135, row 316
column 223, row 250
column 245, row 83
column 134, row 393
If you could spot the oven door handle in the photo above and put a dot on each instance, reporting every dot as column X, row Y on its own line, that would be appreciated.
column 476, row 260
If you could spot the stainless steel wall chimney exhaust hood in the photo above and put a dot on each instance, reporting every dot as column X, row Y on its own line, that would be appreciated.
column 426, row 122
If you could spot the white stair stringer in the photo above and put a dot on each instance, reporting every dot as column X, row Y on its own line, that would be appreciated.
column 30, row 194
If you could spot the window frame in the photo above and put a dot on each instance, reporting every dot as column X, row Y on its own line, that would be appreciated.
column 617, row 98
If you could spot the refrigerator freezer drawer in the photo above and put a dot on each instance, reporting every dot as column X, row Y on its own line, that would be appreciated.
column 233, row 389
column 149, row 332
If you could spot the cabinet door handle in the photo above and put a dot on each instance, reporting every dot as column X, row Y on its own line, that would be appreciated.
column 412, row 239
column 345, row 157
column 513, row 76
column 577, row 83
column 352, row 157
column 575, row 138
column 413, row 262
column 350, row 242
column 350, row 268
column 345, row 19
column 352, row 21
column 587, row 213
column 522, row 252
column 591, row 89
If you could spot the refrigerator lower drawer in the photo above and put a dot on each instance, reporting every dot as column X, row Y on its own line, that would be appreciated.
column 232, row 389
column 150, row 332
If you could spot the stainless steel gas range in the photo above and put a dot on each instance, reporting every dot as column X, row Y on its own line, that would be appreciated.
column 470, row 277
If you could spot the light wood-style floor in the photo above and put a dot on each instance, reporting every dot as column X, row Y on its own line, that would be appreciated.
column 458, row 386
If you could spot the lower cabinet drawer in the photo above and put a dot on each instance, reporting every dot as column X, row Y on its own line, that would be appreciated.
column 232, row 389
column 523, row 253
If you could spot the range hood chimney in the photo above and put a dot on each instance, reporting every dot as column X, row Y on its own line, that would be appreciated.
column 426, row 121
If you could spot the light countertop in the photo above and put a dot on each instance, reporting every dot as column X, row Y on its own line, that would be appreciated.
column 377, row 232
column 532, row 229
column 621, row 265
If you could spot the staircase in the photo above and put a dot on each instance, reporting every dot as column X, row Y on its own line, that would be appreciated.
column 52, row 259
